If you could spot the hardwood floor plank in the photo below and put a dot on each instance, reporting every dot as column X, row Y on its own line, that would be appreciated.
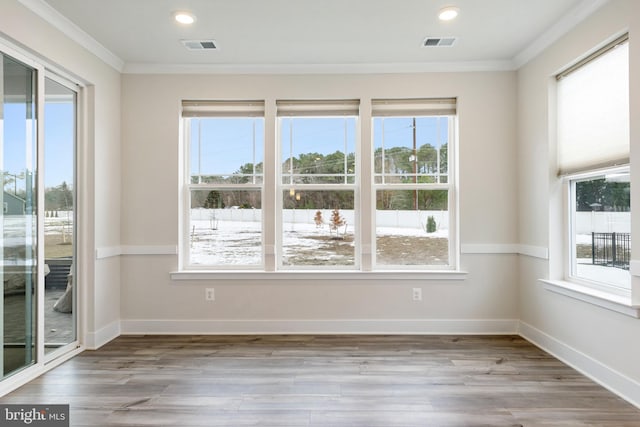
column 326, row 380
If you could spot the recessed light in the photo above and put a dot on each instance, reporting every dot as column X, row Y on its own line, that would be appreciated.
column 183, row 17
column 448, row 13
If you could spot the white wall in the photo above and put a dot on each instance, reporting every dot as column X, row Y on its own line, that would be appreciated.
column 99, row 174
column 601, row 342
column 486, row 106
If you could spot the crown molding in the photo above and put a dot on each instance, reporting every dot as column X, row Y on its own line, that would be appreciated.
column 396, row 68
column 71, row 30
column 578, row 14
column 557, row 30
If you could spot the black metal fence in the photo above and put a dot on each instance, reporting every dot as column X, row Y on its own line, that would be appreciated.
column 611, row 249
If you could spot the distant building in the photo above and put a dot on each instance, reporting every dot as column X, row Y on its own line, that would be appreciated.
column 13, row 205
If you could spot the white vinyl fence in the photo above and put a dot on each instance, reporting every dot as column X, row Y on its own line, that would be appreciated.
column 396, row 219
column 603, row 222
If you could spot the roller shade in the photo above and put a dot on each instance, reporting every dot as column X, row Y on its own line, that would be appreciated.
column 593, row 111
column 413, row 107
column 222, row 108
column 318, row 108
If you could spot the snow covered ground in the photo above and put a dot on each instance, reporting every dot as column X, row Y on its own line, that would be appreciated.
column 600, row 273
column 239, row 242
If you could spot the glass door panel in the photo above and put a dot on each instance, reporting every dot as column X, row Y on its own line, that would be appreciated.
column 59, row 215
column 18, row 225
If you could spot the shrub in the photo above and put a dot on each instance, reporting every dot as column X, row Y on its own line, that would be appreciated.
column 431, row 224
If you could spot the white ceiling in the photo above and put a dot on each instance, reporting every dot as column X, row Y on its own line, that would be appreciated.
column 314, row 36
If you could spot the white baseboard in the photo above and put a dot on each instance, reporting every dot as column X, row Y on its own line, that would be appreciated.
column 348, row 326
column 609, row 378
column 95, row 340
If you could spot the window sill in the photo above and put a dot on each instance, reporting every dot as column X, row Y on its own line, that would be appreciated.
column 281, row 276
column 618, row 303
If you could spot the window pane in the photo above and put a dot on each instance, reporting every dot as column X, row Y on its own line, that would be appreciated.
column 18, row 222
column 411, row 149
column 601, row 229
column 226, row 150
column 412, row 227
column 318, row 150
column 59, row 221
column 225, row 228
column 318, row 228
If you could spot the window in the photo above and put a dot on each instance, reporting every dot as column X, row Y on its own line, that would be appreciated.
column 601, row 227
column 292, row 186
column 593, row 157
column 318, row 184
column 413, row 182
column 224, row 176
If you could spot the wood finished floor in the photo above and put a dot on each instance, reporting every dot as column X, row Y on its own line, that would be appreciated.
column 324, row 381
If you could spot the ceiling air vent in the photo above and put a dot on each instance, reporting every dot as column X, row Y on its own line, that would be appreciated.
column 439, row 41
column 200, row 44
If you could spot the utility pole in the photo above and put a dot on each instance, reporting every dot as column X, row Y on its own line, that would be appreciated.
column 415, row 167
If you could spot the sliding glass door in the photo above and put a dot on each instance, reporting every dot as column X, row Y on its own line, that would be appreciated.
column 38, row 222
column 59, row 213
column 18, row 150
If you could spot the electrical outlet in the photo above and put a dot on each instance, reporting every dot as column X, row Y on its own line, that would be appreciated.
column 210, row 294
column 417, row 294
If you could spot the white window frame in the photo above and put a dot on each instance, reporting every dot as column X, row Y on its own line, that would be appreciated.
column 414, row 108
column 570, row 275
column 273, row 188
column 45, row 362
column 203, row 110
column 317, row 109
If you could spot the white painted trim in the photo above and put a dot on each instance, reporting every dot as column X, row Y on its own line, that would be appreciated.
column 581, row 12
column 149, row 250
column 619, row 303
column 607, row 377
column 468, row 248
column 342, row 326
column 95, row 340
column 504, row 248
column 399, row 68
column 489, row 248
column 75, row 33
column 634, row 268
column 21, row 378
column 108, row 252
column 298, row 275
column 534, row 251
column 112, row 251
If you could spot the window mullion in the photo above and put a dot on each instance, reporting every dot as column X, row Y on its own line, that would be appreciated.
column 365, row 179
column 271, row 207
